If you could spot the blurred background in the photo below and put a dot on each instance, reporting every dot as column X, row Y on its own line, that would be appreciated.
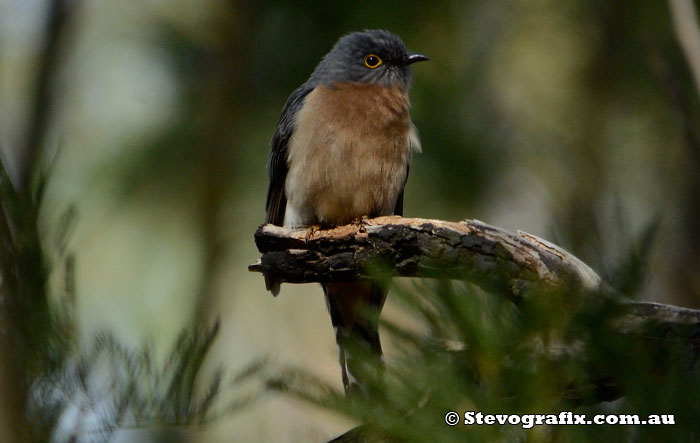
column 574, row 121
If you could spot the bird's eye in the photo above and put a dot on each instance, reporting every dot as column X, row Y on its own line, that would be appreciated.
column 373, row 61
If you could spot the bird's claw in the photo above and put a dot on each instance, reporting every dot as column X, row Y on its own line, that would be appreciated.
column 361, row 223
column 310, row 231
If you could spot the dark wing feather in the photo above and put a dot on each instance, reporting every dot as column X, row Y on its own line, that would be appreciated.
column 277, row 166
column 398, row 209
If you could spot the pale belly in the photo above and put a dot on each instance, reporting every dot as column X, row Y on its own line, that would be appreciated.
column 349, row 182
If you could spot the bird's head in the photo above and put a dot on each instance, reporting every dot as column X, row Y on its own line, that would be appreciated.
column 374, row 56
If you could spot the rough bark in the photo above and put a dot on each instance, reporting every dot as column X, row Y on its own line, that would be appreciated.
column 495, row 259
column 413, row 247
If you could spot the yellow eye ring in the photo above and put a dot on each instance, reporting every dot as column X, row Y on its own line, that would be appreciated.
column 373, row 61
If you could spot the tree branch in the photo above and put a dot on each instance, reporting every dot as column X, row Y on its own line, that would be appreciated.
column 495, row 259
column 414, row 247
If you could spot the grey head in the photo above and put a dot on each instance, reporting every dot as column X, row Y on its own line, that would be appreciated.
column 372, row 56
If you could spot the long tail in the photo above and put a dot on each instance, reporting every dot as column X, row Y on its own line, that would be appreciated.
column 354, row 308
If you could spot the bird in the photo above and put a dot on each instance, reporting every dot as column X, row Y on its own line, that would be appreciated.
column 342, row 151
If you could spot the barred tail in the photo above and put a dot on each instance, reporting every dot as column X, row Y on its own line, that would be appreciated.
column 354, row 308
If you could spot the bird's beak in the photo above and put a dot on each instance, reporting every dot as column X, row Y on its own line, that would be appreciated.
column 414, row 58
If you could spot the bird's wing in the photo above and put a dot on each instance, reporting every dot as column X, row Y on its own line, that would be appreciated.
column 398, row 209
column 413, row 146
column 277, row 166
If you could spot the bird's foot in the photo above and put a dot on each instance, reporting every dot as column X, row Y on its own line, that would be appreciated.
column 310, row 231
column 361, row 223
